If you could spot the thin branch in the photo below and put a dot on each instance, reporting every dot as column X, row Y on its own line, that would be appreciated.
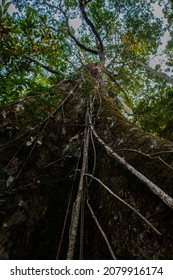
column 161, row 152
column 101, row 230
column 67, row 213
column 82, row 224
column 61, row 104
column 51, row 6
column 153, row 71
column 133, row 150
column 165, row 163
column 17, row 67
column 79, row 44
column 94, row 157
column 91, row 111
column 33, row 147
column 125, row 203
column 53, row 162
column 16, row 153
column 77, row 203
column 64, row 225
column 146, row 155
column 47, row 67
column 153, row 187
column 82, row 5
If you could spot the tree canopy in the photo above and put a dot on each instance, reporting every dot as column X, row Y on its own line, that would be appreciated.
column 43, row 42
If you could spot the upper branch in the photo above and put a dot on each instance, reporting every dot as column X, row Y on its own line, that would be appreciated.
column 82, row 5
column 153, row 71
column 79, row 44
column 47, row 67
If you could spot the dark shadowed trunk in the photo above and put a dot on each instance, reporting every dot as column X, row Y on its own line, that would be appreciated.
column 41, row 164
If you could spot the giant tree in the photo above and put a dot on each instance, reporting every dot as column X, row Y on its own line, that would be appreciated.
column 80, row 178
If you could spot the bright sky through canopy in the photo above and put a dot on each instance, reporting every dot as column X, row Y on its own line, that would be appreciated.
column 160, row 58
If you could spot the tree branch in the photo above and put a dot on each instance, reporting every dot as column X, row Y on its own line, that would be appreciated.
column 82, row 46
column 46, row 67
column 82, row 5
column 124, row 202
column 79, row 44
column 153, row 71
column 78, row 201
column 168, row 200
column 101, row 230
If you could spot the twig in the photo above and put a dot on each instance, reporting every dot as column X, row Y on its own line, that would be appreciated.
column 132, row 150
column 124, row 202
column 53, row 162
column 101, row 230
column 165, row 163
column 13, row 157
column 147, row 155
column 160, row 152
column 153, row 187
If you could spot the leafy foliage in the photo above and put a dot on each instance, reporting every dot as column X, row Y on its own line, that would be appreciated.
column 25, row 43
column 39, row 47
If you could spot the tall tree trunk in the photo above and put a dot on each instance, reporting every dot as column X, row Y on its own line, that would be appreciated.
column 41, row 160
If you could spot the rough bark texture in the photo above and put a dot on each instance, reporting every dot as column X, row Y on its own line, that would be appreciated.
column 43, row 175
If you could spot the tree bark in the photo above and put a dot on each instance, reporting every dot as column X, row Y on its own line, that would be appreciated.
column 40, row 178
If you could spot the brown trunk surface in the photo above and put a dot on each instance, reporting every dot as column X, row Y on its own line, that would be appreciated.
column 33, row 207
